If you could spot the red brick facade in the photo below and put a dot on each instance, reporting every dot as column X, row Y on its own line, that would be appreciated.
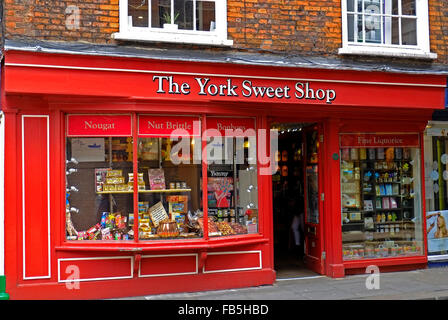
column 292, row 26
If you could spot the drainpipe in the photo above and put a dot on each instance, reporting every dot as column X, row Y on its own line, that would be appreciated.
column 3, row 294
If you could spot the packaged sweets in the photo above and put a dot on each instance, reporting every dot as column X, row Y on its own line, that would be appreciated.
column 114, row 173
column 103, row 219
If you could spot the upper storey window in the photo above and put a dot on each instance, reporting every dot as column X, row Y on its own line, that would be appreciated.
column 386, row 27
column 180, row 21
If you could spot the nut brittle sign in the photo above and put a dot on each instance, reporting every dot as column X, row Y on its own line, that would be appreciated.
column 244, row 88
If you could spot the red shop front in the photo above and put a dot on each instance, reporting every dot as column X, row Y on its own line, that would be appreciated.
column 133, row 176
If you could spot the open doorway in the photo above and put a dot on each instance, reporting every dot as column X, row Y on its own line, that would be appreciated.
column 291, row 197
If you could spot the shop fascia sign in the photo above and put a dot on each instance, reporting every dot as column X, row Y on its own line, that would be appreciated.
column 242, row 88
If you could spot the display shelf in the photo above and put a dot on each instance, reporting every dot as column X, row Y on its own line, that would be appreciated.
column 146, row 191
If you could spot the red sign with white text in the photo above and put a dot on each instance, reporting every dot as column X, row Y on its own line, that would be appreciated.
column 99, row 125
column 380, row 140
column 169, row 126
column 241, row 127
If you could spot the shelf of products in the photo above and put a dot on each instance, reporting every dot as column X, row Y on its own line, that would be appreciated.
column 380, row 210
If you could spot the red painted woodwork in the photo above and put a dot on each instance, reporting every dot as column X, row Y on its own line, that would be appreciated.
column 167, row 126
column 171, row 264
column 99, row 125
column 35, row 184
column 38, row 83
column 232, row 261
column 95, row 268
column 362, row 140
column 35, row 73
column 239, row 127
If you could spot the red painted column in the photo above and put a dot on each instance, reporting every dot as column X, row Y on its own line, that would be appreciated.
column 11, row 201
column 332, row 203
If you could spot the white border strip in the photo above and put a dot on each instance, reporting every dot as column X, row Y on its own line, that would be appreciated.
column 24, row 196
column 236, row 269
column 443, row 257
column 168, row 274
column 2, row 194
column 29, row 65
column 96, row 258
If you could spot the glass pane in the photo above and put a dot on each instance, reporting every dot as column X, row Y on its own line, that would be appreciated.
column 160, row 13
column 409, row 31
column 183, row 14
column 436, row 175
column 408, row 7
column 99, row 203
column 359, row 6
column 138, row 13
column 395, row 7
column 372, row 28
column 359, row 28
column 232, row 186
column 381, row 204
column 350, row 5
column 169, row 190
column 312, row 177
column 372, row 6
column 351, row 26
column 205, row 16
column 395, row 31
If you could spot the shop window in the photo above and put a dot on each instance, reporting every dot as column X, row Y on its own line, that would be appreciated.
column 99, row 202
column 231, row 177
column 381, row 204
column 157, row 193
column 386, row 27
column 170, row 193
column 182, row 21
column 436, row 189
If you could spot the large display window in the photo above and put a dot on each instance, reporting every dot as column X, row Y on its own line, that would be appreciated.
column 380, row 192
column 146, row 183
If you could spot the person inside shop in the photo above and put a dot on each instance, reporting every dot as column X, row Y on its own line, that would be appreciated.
column 297, row 225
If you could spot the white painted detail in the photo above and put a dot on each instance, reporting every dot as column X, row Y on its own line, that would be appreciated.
column 130, row 276
column 236, row 76
column 2, row 194
column 24, row 197
column 168, row 274
column 236, row 269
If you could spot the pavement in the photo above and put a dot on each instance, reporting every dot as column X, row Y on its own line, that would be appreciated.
column 423, row 284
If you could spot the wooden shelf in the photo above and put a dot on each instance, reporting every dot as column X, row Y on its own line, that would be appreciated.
column 146, row 191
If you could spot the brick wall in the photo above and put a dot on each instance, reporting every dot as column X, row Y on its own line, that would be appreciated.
column 289, row 26
column 438, row 21
column 54, row 20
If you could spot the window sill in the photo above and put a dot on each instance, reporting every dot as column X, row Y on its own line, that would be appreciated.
column 164, row 245
column 163, row 36
column 387, row 52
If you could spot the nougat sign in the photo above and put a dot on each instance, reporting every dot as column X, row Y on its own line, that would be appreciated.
column 230, row 88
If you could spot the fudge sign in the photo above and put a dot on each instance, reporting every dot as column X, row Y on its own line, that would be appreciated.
column 206, row 87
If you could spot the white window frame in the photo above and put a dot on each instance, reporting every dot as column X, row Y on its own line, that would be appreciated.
column 421, row 50
column 216, row 37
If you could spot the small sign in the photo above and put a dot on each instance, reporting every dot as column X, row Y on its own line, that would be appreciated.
column 232, row 127
column 169, row 126
column 99, row 125
column 362, row 140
